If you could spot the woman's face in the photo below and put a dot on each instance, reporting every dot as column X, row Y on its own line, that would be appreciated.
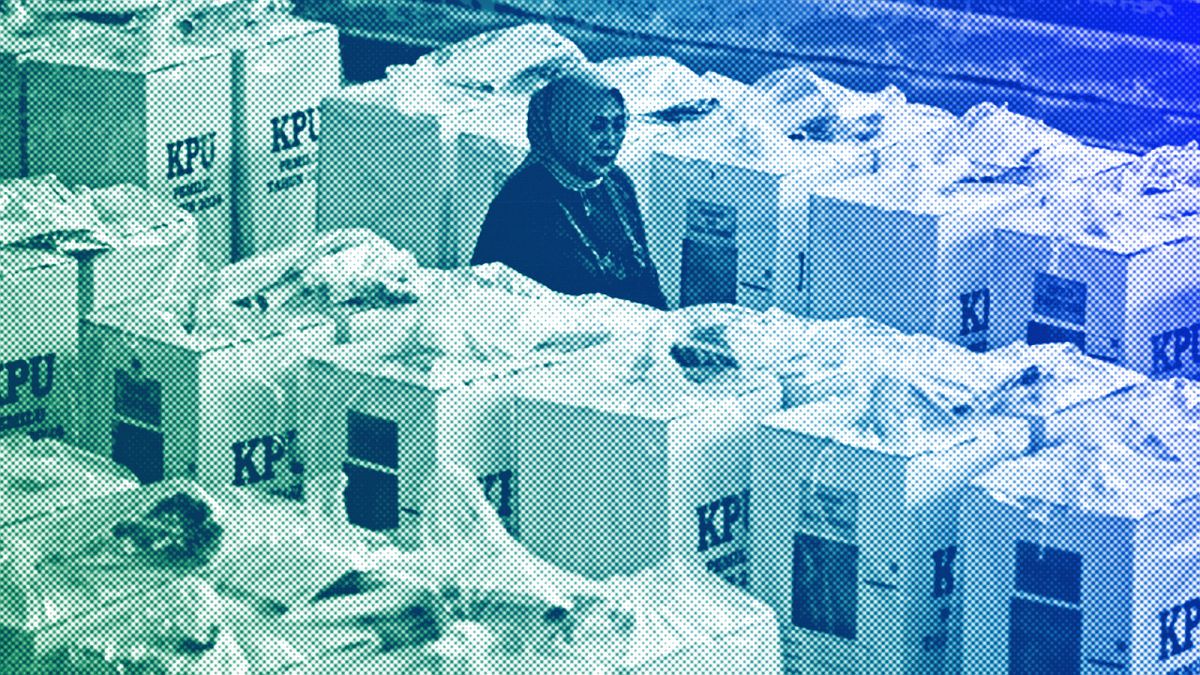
column 592, row 135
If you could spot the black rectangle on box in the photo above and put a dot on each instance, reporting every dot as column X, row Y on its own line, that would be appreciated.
column 140, row 450
column 825, row 586
column 372, row 439
column 1043, row 639
column 1048, row 572
column 1060, row 299
column 1037, row 333
column 371, row 498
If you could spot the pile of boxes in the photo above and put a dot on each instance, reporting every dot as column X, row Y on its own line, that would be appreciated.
column 926, row 439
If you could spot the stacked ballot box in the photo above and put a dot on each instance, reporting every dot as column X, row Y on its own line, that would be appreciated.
column 386, row 416
column 282, row 68
column 491, row 144
column 38, row 344
column 618, row 476
column 162, row 123
column 1133, row 303
column 886, row 248
column 218, row 405
column 158, row 260
column 856, row 544
column 14, row 45
column 387, row 161
column 734, row 231
column 1053, row 588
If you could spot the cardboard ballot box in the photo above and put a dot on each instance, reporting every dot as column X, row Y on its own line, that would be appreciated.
column 1063, row 576
column 855, row 541
column 217, row 406
column 491, row 144
column 1131, row 302
column 38, row 344
column 282, row 68
column 106, row 116
column 155, row 252
column 387, row 151
column 734, row 230
column 385, row 416
column 652, row 471
column 14, row 44
column 909, row 249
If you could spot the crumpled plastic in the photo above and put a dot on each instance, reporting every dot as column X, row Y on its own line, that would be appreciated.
column 42, row 211
column 803, row 106
column 475, row 600
column 1158, row 419
column 854, row 352
column 39, row 477
column 725, row 135
column 1053, row 377
column 334, row 268
column 996, row 141
column 177, row 629
column 1110, row 478
column 659, row 86
column 514, row 60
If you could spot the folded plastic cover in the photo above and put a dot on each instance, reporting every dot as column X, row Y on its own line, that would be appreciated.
column 996, row 140
column 516, row 59
column 656, row 84
column 1111, row 478
column 800, row 104
column 40, row 477
column 1049, row 378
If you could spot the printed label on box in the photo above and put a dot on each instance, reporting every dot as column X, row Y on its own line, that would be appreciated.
column 137, row 435
column 1038, row 333
column 1172, row 349
column 372, row 439
column 1045, row 620
column 27, row 391
column 271, row 461
column 718, row 524
column 1060, row 299
column 371, row 498
column 708, row 270
column 975, row 310
column 188, row 160
column 296, row 130
column 825, row 560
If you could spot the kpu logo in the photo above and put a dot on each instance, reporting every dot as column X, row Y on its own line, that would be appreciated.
column 286, row 129
column 273, row 449
column 36, row 374
column 1168, row 350
column 183, row 157
column 716, row 531
column 1171, row 631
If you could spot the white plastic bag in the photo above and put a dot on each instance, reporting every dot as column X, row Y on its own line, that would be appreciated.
column 515, row 60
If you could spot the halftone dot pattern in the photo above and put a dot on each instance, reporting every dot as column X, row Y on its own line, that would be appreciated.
column 100, row 577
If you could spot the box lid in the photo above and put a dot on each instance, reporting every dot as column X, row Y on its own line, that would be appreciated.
column 933, row 191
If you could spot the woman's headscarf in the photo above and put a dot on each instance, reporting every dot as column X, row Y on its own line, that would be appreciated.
column 550, row 110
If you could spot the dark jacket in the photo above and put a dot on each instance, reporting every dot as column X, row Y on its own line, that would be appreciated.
column 531, row 227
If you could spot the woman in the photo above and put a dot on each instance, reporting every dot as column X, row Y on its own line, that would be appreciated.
column 568, row 217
